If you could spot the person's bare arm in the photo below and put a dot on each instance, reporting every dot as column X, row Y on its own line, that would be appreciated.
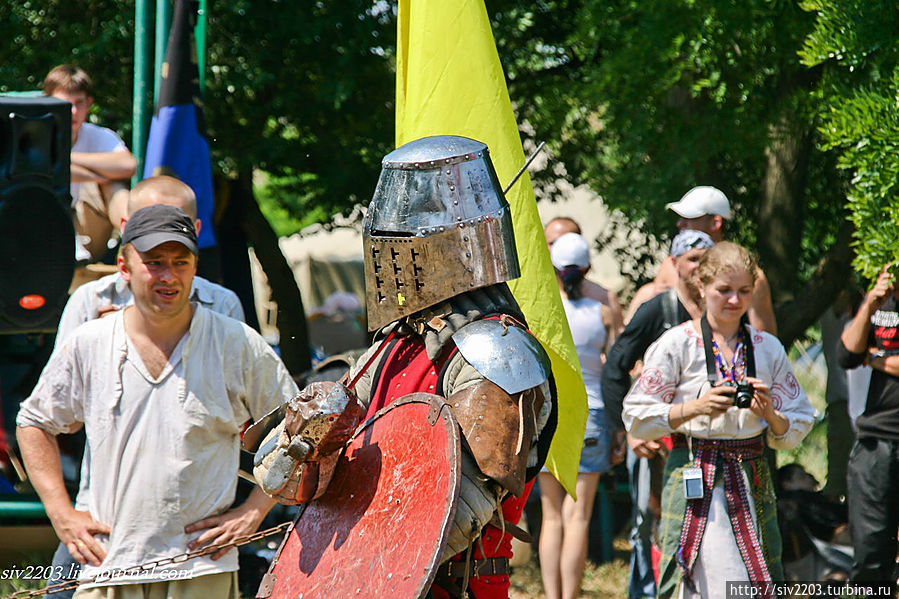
column 75, row 529
column 609, row 299
column 242, row 520
column 116, row 194
column 615, row 313
column 855, row 336
column 667, row 275
column 761, row 310
column 887, row 364
column 102, row 166
column 666, row 278
column 606, row 315
column 81, row 174
column 643, row 295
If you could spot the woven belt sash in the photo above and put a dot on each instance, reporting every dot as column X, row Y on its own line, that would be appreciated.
column 733, row 451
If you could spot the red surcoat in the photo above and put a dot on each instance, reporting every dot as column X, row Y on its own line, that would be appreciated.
column 407, row 369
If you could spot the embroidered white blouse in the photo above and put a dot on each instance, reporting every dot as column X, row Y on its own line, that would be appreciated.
column 674, row 372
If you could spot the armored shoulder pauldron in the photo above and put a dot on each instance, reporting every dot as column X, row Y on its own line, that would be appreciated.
column 498, row 416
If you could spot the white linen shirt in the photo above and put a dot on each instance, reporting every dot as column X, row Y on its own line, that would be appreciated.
column 674, row 372
column 164, row 450
column 112, row 290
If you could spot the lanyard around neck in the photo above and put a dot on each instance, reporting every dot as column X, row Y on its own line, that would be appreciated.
column 711, row 360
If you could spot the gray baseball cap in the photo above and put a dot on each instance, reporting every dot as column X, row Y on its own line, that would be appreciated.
column 157, row 224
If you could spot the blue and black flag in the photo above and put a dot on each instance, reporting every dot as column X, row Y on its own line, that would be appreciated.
column 177, row 144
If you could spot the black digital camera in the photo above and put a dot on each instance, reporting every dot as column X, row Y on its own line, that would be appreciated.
column 743, row 393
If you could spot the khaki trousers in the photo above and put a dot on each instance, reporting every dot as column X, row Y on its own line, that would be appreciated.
column 94, row 212
column 219, row 586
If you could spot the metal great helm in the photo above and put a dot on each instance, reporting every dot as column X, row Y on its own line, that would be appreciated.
column 437, row 226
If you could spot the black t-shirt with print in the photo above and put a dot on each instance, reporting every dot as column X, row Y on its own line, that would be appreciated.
column 881, row 416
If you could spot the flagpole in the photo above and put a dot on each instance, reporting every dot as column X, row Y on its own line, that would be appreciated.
column 139, row 120
column 200, row 37
column 163, row 22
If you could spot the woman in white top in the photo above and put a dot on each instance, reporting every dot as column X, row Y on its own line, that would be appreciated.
column 563, row 534
column 719, row 521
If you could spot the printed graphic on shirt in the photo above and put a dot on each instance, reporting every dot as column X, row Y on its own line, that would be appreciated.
column 886, row 323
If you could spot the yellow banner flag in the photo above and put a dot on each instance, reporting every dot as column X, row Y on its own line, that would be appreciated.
column 449, row 81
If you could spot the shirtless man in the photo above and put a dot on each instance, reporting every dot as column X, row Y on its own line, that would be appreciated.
column 706, row 209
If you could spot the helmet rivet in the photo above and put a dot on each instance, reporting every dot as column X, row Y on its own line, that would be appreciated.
column 468, row 254
column 465, row 238
column 449, row 172
column 456, row 203
column 442, row 229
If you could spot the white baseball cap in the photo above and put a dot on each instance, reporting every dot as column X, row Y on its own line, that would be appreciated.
column 700, row 201
column 570, row 250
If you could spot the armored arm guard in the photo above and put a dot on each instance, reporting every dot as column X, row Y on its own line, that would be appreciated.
column 503, row 404
column 301, row 441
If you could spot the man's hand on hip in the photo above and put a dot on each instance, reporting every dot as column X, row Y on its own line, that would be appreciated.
column 224, row 528
column 76, row 531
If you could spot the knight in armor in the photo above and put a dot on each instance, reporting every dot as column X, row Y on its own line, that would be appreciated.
column 438, row 249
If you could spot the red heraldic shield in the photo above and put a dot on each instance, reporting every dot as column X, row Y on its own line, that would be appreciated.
column 381, row 527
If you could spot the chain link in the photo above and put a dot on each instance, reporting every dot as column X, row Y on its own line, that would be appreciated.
column 175, row 559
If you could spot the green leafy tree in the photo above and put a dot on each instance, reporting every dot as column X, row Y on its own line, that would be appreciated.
column 854, row 42
column 96, row 35
column 302, row 91
column 642, row 101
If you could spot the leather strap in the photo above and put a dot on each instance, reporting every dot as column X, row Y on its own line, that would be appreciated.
column 490, row 566
column 500, row 523
column 711, row 372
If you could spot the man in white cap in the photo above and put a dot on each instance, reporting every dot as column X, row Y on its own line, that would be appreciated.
column 706, row 209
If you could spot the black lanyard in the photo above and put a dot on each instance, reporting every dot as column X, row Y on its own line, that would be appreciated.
column 710, row 362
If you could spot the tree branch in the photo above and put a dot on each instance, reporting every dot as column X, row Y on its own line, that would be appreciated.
column 830, row 276
column 294, row 342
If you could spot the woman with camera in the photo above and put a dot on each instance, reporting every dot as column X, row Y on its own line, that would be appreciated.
column 724, row 391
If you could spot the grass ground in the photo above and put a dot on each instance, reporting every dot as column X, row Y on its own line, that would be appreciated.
column 601, row 581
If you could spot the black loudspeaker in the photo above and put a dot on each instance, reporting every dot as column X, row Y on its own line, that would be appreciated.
column 37, row 238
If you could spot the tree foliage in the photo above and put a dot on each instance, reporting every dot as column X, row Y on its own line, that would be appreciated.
column 642, row 101
column 856, row 41
column 302, row 90
column 97, row 35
